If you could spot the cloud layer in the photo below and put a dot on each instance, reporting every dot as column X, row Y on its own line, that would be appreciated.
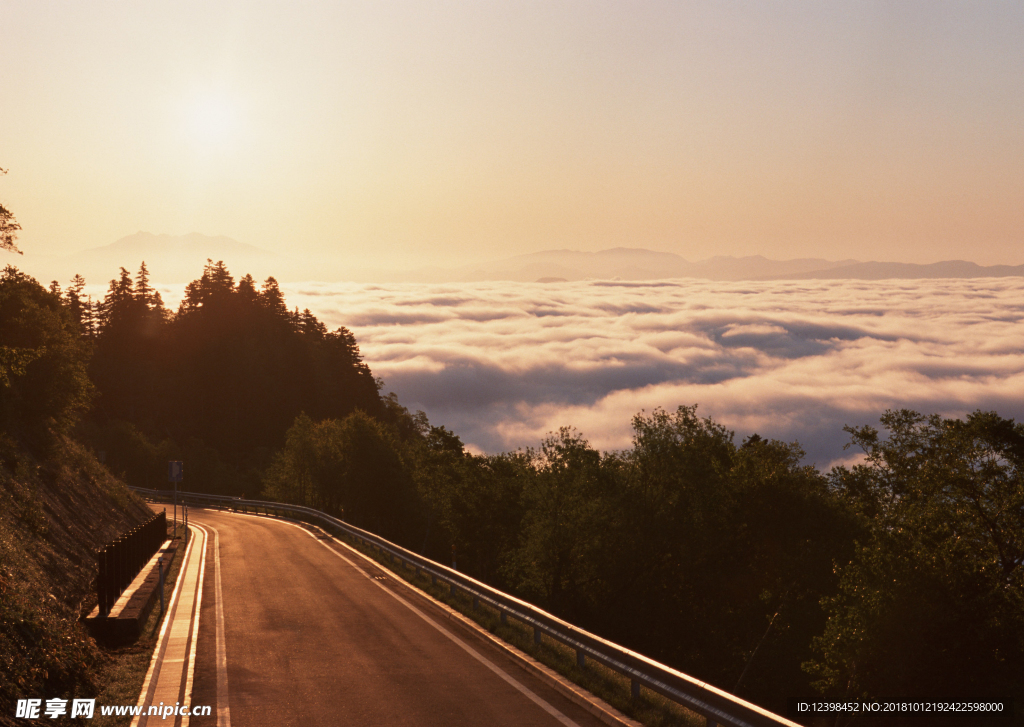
column 504, row 363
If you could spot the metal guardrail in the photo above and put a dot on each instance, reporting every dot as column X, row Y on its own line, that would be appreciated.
column 718, row 707
column 121, row 560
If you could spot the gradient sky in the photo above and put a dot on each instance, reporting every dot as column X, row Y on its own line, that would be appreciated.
column 403, row 134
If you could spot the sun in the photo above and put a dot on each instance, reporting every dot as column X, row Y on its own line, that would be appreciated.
column 212, row 120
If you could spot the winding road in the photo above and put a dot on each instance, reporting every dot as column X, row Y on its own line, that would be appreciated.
column 312, row 633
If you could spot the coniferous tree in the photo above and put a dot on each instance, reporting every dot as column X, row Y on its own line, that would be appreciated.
column 8, row 228
column 231, row 369
column 127, row 366
column 79, row 308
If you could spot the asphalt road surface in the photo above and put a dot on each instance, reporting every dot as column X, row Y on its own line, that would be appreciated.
column 311, row 638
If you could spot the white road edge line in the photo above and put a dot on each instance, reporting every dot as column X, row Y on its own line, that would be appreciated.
column 190, row 673
column 462, row 644
column 223, row 706
column 161, row 642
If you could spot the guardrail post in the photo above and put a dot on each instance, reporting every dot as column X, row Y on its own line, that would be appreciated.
column 476, row 603
column 111, row 558
column 433, row 579
column 112, row 575
column 504, row 618
column 536, row 635
column 101, row 580
column 634, row 689
column 119, row 566
column 453, row 590
column 581, row 658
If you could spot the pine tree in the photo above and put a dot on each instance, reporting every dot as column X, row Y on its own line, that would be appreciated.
column 119, row 303
column 247, row 291
column 74, row 302
column 147, row 295
column 8, row 228
column 271, row 298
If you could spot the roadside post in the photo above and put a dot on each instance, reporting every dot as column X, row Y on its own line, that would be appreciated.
column 174, row 472
column 160, row 565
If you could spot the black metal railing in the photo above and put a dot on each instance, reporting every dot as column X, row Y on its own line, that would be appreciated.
column 121, row 560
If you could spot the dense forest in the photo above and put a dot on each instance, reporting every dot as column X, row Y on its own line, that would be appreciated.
column 900, row 577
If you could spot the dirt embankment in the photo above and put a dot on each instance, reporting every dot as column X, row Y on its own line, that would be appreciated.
column 54, row 514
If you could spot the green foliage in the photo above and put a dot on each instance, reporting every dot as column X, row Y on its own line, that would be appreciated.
column 472, row 503
column 713, row 552
column 568, row 509
column 900, row 577
column 43, row 361
column 351, row 468
column 224, row 377
column 137, row 459
column 127, row 366
column 933, row 602
column 42, row 651
column 785, row 532
column 8, row 228
column 685, row 547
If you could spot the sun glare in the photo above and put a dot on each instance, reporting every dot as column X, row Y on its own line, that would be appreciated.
column 212, row 120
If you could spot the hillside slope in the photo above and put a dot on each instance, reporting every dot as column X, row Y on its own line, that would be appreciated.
column 54, row 514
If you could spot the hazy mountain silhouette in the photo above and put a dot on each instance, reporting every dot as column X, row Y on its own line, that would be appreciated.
column 147, row 243
column 173, row 259
column 641, row 264
column 637, row 264
column 170, row 257
column 882, row 271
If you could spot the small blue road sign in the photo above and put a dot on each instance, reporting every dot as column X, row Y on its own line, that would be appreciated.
column 174, row 470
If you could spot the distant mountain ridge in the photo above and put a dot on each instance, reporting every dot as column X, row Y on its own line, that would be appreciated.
column 180, row 258
column 193, row 243
column 642, row 264
column 637, row 264
column 169, row 258
column 944, row 269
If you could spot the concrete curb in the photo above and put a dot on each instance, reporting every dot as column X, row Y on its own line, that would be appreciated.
column 170, row 667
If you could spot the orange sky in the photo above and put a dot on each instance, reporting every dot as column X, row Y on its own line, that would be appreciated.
column 402, row 134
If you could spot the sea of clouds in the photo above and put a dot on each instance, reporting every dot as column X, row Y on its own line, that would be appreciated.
column 503, row 364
